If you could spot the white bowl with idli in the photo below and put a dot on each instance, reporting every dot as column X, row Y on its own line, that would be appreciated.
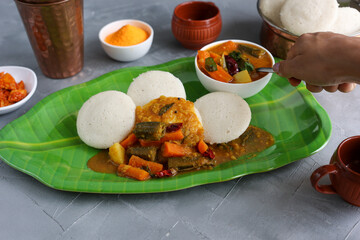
column 244, row 90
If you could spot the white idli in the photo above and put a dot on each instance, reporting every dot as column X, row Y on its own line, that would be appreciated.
column 105, row 118
column 308, row 16
column 198, row 114
column 153, row 84
column 347, row 22
column 225, row 116
column 271, row 10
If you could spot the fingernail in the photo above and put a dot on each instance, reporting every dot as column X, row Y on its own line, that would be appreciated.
column 276, row 67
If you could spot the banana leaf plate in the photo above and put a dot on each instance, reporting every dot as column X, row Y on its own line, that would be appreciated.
column 44, row 143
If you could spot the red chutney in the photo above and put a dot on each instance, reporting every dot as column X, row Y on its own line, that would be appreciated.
column 232, row 62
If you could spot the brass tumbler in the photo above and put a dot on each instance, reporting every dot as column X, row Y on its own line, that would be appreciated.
column 55, row 32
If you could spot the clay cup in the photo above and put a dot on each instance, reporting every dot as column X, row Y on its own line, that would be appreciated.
column 343, row 170
column 196, row 24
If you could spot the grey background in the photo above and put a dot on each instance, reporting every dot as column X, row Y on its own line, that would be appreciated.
column 280, row 204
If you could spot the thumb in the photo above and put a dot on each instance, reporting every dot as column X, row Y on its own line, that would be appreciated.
column 285, row 68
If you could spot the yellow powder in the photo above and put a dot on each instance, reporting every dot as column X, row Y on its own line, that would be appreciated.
column 126, row 36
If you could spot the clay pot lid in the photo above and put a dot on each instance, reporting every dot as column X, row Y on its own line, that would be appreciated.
column 197, row 13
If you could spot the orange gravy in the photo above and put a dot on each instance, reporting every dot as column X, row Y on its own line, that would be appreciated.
column 101, row 163
column 263, row 61
column 252, row 141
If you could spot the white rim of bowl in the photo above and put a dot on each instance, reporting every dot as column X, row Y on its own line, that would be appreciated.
column 237, row 41
column 127, row 20
column 27, row 96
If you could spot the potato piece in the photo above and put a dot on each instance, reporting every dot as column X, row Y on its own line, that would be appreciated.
column 117, row 153
column 242, row 77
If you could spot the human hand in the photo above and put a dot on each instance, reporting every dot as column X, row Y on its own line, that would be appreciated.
column 344, row 87
column 324, row 61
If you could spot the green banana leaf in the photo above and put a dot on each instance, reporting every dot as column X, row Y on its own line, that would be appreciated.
column 44, row 143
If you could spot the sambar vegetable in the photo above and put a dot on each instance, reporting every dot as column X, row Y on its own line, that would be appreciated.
column 225, row 61
column 173, row 142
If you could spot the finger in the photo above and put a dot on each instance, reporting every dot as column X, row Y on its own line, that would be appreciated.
column 289, row 68
column 292, row 53
column 299, row 46
column 313, row 88
column 331, row 88
column 294, row 81
column 346, row 87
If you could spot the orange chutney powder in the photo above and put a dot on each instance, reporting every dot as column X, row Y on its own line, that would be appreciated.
column 128, row 35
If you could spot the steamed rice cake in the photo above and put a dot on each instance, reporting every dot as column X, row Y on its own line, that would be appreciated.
column 225, row 116
column 308, row 15
column 105, row 118
column 271, row 9
column 153, row 84
column 347, row 22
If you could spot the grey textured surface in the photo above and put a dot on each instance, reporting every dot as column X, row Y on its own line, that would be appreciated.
column 280, row 204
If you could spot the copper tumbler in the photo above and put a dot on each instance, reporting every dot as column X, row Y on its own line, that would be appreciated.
column 55, row 32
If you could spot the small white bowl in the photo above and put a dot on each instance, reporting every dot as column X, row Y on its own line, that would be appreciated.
column 28, row 77
column 244, row 90
column 128, row 53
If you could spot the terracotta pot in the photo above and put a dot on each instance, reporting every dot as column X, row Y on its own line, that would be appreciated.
column 344, row 172
column 195, row 24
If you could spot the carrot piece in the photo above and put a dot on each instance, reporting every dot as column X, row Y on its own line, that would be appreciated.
column 201, row 56
column 202, row 146
column 220, row 74
column 133, row 172
column 169, row 136
column 138, row 162
column 173, row 136
column 216, row 57
column 130, row 140
column 173, row 150
column 148, row 143
column 227, row 47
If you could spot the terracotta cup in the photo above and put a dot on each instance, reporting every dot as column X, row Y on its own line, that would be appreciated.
column 195, row 24
column 344, row 172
